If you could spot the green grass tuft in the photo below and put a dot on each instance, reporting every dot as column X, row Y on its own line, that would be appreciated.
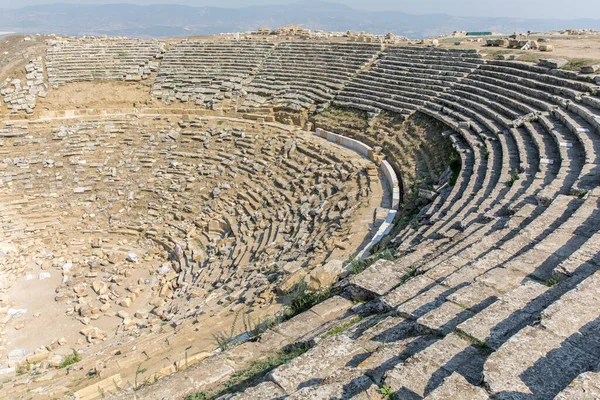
column 70, row 359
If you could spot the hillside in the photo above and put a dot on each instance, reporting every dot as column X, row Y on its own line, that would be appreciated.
column 176, row 20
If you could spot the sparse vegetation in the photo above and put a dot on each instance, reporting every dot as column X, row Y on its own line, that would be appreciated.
column 575, row 64
column 578, row 193
column 412, row 272
column 514, row 177
column 476, row 342
column 455, row 165
column 70, row 359
column 357, row 265
column 386, row 392
column 552, row 281
column 303, row 299
column 139, row 371
column 341, row 328
column 224, row 339
column 254, row 373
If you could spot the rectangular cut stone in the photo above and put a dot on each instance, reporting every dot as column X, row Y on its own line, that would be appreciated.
column 441, row 271
column 502, row 279
column 456, row 387
column 299, row 325
column 316, row 364
column 107, row 386
column 475, row 297
column 574, row 317
column 469, row 272
column 497, row 322
column 407, row 290
column 536, row 262
column 265, row 390
column 389, row 330
column 349, row 385
column 332, row 308
column 535, row 363
column 424, row 302
column 376, row 280
column 426, row 370
column 445, row 318
column 585, row 386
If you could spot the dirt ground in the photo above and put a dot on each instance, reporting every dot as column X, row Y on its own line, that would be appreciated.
column 98, row 94
column 581, row 51
column 15, row 51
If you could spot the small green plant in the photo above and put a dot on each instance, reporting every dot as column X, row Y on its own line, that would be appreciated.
column 122, row 54
column 303, row 299
column 578, row 193
column 386, row 392
column 341, row 328
column 486, row 153
column 224, row 339
column 255, row 372
column 197, row 396
column 138, row 371
column 23, row 369
column 455, row 166
column 476, row 342
column 70, row 359
column 220, row 122
column 552, row 281
column 411, row 273
column 513, row 178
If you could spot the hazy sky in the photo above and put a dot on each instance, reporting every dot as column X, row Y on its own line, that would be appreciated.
column 503, row 8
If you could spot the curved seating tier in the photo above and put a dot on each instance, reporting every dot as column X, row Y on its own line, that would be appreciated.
column 405, row 78
column 495, row 291
column 298, row 75
column 204, row 72
column 89, row 59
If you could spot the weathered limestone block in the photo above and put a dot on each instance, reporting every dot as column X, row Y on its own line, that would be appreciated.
column 265, row 390
column 345, row 383
column 318, row 363
column 535, row 362
column 590, row 69
column 586, row 387
column 376, row 280
column 425, row 371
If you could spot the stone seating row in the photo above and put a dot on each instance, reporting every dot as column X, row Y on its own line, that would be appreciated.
column 205, row 72
column 315, row 72
column 496, row 268
column 85, row 60
column 396, row 80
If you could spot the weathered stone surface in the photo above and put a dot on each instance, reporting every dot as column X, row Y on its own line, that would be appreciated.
column 346, row 383
column 408, row 290
column 265, row 390
column 314, row 366
column 590, row 69
column 376, row 280
column 496, row 323
column 445, row 318
column 332, row 308
column 425, row 371
column 586, row 387
column 535, row 362
column 553, row 62
column 456, row 387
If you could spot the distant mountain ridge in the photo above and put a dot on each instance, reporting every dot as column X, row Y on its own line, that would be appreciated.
column 179, row 20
